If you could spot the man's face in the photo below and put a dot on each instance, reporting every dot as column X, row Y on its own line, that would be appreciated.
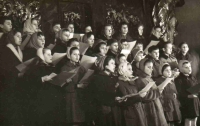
column 7, row 25
column 158, row 33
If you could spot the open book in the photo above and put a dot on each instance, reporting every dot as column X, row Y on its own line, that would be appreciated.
column 150, row 44
column 23, row 67
column 83, row 47
column 57, row 57
column 87, row 61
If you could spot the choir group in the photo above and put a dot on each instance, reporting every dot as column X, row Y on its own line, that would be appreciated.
column 112, row 79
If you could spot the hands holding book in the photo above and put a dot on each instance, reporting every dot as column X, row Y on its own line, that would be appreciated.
column 48, row 77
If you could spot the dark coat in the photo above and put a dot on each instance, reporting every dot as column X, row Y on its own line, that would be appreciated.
column 74, row 96
column 119, row 37
column 189, row 106
column 108, row 113
column 132, row 109
column 169, row 101
column 29, row 53
column 10, row 107
column 180, row 56
column 103, row 37
column 59, row 47
column 89, row 52
column 156, row 65
column 110, row 53
column 169, row 59
column 151, row 102
column 45, row 99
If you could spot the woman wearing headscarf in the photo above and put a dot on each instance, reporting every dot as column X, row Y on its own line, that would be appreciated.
column 30, row 27
column 44, row 106
column 133, row 112
column 151, row 102
column 37, row 41
column 10, row 57
column 73, row 91
column 61, row 43
column 104, row 88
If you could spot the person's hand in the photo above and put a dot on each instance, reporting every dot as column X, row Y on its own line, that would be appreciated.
column 46, row 78
column 119, row 99
column 68, row 80
column 192, row 96
column 142, row 94
column 81, row 85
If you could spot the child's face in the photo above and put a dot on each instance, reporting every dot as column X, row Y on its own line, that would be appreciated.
column 124, row 29
column 168, row 49
column 34, row 24
column 48, row 56
column 103, row 49
column 129, row 71
column 184, row 48
column 65, row 36
column 139, row 46
column 41, row 41
column 71, row 28
column 18, row 38
column 75, row 56
column 114, row 47
column 111, row 65
column 186, row 68
column 7, row 26
column 125, row 45
column 90, row 40
column 139, row 57
column 148, row 68
column 167, row 72
column 155, row 54
column 140, row 30
column 158, row 33
column 122, row 59
column 56, row 28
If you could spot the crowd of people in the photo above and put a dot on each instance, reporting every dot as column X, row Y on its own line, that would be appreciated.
column 143, row 88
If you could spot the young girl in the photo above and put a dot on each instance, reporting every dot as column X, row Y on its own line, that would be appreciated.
column 169, row 96
column 189, row 102
column 104, row 86
column 10, row 57
column 133, row 112
column 100, row 49
column 183, row 54
column 89, row 40
column 74, row 97
column 37, row 41
column 151, row 102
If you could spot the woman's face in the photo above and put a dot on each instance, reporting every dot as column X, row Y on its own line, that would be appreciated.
column 184, row 48
column 148, row 68
column 41, row 41
column 18, row 38
column 167, row 72
column 103, row 49
column 124, row 29
column 48, row 56
column 108, row 31
column 114, row 47
column 122, row 59
column 111, row 65
column 74, row 57
column 140, row 30
column 90, row 40
column 34, row 24
column 65, row 36
column 88, row 29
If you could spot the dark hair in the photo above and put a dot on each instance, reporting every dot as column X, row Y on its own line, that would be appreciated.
column 186, row 62
column 182, row 44
column 71, row 40
column 3, row 19
column 106, row 61
column 97, row 47
column 111, row 41
column 72, row 49
column 164, row 67
column 123, row 23
column 103, row 29
column 89, row 34
column 55, row 23
column 123, row 40
column 40, row 34
column 152, row 48
column 148, row 61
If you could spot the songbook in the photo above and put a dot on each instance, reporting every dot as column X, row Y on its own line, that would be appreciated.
column 51, row 46
column 85, row 78
column 126, row 52
column 87, row 61
column 78, row 36
column 83, row 47
column 150, row 44
column 195, row 89
column 57, row 57
column 60, row 79
column 131, row 45
column 71, row 35
column 23, row 67
column 52, row 75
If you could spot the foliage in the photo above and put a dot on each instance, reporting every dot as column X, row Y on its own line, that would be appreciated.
column 72, row 17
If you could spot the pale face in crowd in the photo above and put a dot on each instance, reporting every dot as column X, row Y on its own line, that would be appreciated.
column 139, row 46
column 108, row 31
column 139, row 57
column 88, row 29
column 186, row 68
column 41, row 41
column 158, row 33
column 125, row 45
column 111, row 65
column 167, row 72
column 75, row 44
column 114, row 47
column 140, row 30
column 18, row 39
column 75, row 56
column 184, row 48
column 90, row 40
column 122, row 59
column 129, row 71
column 103, row 49
column 155, row 54
column 124, row 29
column 71, row 28
column 56, row 28
column 7, row 26
column 168, row 49
column 65, row 36
column 48, row 56
column 34, row 24
column 148, row 68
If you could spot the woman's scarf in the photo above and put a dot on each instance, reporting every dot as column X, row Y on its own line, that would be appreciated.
column 28, row 28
